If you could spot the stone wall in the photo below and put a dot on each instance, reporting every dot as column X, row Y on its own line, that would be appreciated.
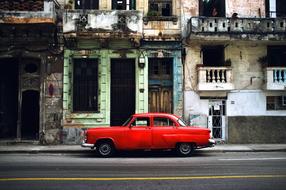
column 257, row 129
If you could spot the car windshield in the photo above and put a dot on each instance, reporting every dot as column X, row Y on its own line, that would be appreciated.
column 127, row 121
column 182, row 122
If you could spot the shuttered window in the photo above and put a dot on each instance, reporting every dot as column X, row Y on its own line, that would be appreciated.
column 85, row 85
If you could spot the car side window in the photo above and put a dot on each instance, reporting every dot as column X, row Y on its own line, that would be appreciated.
column 162, row 121
column 141, row 121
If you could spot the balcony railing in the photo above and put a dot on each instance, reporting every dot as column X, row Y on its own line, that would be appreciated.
column 215, row 78
column 103, row 23
column 237, row 25
column 27, row 11
column 276, row 78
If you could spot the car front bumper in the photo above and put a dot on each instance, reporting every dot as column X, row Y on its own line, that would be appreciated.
column 211, row 142
column 87, row 145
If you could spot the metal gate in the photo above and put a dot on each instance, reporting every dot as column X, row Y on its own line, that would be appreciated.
column 216, row 119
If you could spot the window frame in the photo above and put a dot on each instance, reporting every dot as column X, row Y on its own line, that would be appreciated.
column 135, row 119
column 76, row 108
column 275, row 103
column 167, row 118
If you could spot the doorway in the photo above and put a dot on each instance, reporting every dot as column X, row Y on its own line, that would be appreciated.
column 122, row 90
column 30, row 115
column 160, row 85
column 216, row 119
column 8, row 98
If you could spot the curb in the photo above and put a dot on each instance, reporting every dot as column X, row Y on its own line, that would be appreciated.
column 84, row 151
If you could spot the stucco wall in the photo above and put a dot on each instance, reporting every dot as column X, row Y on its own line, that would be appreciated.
column 245, row 8
column 257, row 129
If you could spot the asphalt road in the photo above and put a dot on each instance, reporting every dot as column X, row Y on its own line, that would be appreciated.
column 148, row 170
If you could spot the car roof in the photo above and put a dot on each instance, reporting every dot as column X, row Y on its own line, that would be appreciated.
column 156, row 114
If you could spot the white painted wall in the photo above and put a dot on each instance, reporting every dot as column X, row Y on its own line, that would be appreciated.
column 249, row 103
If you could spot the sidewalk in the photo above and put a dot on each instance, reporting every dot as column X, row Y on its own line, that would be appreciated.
column 27, row 148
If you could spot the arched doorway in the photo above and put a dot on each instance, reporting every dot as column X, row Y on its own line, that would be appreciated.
column 30, row 115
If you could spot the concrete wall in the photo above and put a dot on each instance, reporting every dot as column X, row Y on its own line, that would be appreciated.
column 257, row 129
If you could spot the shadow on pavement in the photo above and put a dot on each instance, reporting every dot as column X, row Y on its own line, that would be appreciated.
column 144, row 154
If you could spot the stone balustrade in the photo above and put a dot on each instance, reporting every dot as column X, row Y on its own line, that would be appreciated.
column 215, row 78
column 275, row 78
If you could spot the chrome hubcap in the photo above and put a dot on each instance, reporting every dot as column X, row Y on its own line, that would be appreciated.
column 185, row 148
column 104, row 149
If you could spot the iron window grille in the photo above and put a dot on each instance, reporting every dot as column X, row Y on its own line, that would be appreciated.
column 85, row 85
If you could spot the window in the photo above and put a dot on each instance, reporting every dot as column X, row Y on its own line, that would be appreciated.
column 276, row 102
column 85, row 85
column 124, row 4
column 213, row 56
column 86, row 4
column 212, row 8
column 275, row 8
column 141, row 121
column 276, row 56
column 161, row 121
column 160, row 68
column 160, row 8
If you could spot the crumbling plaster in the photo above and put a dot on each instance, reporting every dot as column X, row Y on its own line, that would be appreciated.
column 246, row 70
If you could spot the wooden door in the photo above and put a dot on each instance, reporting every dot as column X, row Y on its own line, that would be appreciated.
column 160, row 85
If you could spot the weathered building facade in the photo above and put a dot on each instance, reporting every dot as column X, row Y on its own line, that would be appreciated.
column 235, row 69
column 120, row 58
column 68, row 65
column 30, row 72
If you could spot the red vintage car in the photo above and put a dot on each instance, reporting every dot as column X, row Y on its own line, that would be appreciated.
column 148, row 131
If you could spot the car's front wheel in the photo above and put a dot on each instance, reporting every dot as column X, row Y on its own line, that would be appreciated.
column 105, row 149
column 185, row 149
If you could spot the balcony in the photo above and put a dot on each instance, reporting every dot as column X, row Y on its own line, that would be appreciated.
column 162, row 27
column 237, row 28
column 215, row 79
column 27, row 11
column 102, row 24
column 275, row 78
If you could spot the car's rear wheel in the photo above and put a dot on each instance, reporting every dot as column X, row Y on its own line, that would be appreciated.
column 185, row 149
column 105, row 149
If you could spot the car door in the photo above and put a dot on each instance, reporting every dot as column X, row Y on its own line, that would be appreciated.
column 138, row 136
column 164, row 133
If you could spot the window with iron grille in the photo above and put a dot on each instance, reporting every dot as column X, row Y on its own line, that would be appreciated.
column 160, row 8
column 85, row 85
column 124, row 4
column 276, row 102
column 86, row 4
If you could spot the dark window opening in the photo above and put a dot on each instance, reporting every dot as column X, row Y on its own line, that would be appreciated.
column 213, row 56
column 212, row 8
column 276, row 102
column 86, row 4
column 124, row 4
column 160, row 8
column 160, row 68
column 280, row 8
column 85, row 85
column 276, row 56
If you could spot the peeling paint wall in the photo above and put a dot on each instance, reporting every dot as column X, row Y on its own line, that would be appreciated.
column 103, row 21
column 53, row 109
